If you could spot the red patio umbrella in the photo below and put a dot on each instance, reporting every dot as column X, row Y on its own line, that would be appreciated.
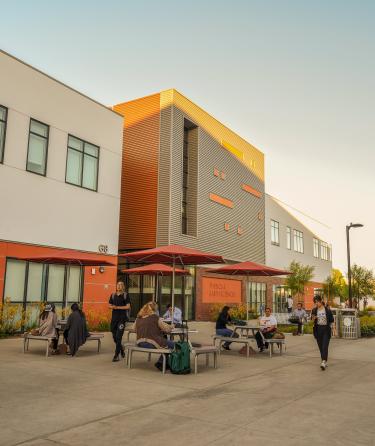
column 175, row 255
column 81, row 261
column 156, row 268
column 249, row 269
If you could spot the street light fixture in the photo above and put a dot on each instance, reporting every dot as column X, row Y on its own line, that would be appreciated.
column 348, row 227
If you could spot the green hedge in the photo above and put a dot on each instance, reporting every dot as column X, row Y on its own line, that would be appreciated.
column 367, row 326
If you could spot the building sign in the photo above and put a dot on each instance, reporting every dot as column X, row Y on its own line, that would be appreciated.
column 221, row 290
column 103, row 249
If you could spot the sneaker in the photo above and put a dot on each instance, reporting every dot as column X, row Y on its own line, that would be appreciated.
column 226, row 347
column 323, row 365
column 115, row 359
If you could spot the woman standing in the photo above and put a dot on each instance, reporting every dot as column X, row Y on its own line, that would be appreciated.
column 119, row 303
column 323, row 318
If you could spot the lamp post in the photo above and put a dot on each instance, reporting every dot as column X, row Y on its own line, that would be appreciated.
column 351, row 225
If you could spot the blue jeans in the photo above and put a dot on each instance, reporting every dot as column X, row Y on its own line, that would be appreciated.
column 227, row 332
column 170, row 344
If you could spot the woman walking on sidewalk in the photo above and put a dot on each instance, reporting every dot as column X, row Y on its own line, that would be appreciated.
column 323, row 318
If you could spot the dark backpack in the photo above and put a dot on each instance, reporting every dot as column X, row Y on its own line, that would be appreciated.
column 179, row 359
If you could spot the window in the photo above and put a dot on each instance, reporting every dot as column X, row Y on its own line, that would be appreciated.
column 316, row 247
column 3, row 126
column 275, row 232
column 288, row 238
column 38, row 147
column 82, row 164
column 324, row 251
column 298, row 240
column 257, row 297
column 279, row 301
column 189, row 179
column 27, row 284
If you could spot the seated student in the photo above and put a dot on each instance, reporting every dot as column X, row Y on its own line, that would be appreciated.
column 268, row 326
column 150, row 329
column 177, row 315
column 221, row 326
column 300, row 314
column 76, row 332
column 48, row 325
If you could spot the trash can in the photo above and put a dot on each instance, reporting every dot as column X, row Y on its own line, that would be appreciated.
column 347, row 323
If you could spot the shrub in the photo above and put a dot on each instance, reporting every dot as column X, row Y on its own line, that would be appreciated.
column 307, row 328
column 13, row 317
column 367, row 326
column 237, row 312
column 98, row 319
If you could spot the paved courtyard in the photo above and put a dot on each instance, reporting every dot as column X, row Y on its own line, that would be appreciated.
column 91, row 401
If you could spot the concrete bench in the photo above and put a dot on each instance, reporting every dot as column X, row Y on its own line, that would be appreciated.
column 27, row 337
column 96, row 337
column 47, row 339
column 240, row 340
column 204, row 350
column 149, row 351
column 279, row 342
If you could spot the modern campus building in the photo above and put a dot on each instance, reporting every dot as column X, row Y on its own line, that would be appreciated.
column 287, row 240
column 188, row 179
column 60, row 171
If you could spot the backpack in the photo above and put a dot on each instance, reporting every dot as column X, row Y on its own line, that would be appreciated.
column 179, row 359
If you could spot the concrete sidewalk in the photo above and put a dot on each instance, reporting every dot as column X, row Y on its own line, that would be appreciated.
column 91, row 401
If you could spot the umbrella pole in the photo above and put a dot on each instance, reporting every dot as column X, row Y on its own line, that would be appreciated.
column 156, row 289
column 173, row 280
column 247, row 297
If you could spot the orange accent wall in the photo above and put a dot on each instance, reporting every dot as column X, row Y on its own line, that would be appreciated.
column 251, row 190
column 97, row 287
column 221, row 200
column 139, row 181
column 221, row 290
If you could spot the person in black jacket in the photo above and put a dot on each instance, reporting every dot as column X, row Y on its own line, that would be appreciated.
column 323, row 318
column 119, row 303
column 221, row 326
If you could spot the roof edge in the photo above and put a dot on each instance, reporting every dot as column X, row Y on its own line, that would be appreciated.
column 109, row 108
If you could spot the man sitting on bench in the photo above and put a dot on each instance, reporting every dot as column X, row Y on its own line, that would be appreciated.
column 268, row 326
column 150, row 329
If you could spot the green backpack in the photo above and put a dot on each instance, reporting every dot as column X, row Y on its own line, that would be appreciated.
column 179, row 359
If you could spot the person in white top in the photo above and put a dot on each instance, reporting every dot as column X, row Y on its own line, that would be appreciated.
column 268, row 326
column 289, row 302
column 177, row 315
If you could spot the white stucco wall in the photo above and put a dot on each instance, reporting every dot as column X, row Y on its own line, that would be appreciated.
column 280, row 256
column 46, row 210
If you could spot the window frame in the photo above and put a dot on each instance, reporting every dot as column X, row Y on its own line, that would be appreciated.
column 288, row 238
column 273, row 228
column 83, row 153
column 296, row 239
column 24, row 302
column 44, row 174
column 324, row 248
column 2, row 149
column 316, row 244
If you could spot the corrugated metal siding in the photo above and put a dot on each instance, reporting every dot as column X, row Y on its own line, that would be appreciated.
column 139, row 181
column 164, row 196
column 251, row 157
column 211, row 235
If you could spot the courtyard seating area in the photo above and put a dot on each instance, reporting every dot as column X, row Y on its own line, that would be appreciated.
column 98, row 399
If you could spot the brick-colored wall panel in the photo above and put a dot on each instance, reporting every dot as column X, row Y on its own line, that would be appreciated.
column 139, row 180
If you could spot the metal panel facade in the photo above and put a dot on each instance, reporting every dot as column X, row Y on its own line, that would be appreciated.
column 245, row 238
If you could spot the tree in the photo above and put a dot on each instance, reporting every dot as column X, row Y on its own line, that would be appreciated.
column 301, row 274
column 363, row 282
column 336, row 286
